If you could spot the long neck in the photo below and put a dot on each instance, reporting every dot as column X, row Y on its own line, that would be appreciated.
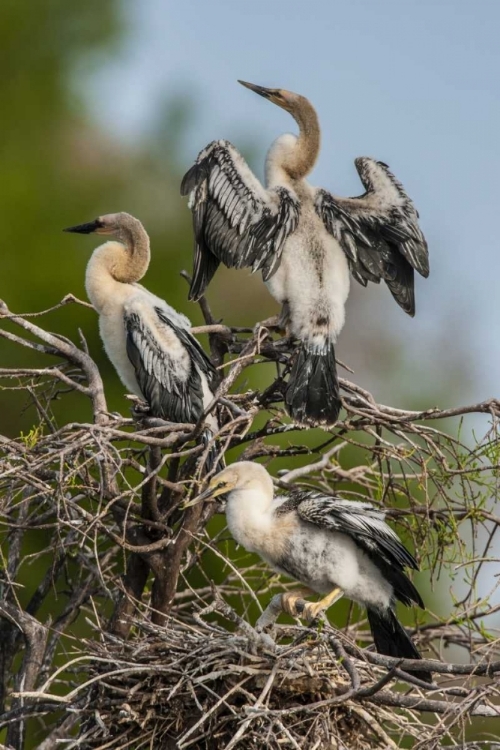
column 132, row 265
column 114, row 266
column 249, row 519
column 299, row 160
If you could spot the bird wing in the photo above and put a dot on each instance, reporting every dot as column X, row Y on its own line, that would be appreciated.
column 167, row 361
column 235, row 220
column 196, row 352
column 378, row 231
column 361, row 521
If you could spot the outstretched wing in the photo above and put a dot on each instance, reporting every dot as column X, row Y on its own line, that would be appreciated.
column 378, row 231
column 169, row 364
column 361, row 521
column 235, row 220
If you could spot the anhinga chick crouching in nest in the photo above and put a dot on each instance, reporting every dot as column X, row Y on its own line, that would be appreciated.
column 332, row 546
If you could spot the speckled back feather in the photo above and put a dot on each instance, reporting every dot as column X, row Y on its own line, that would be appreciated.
column 378, row 231
column 235, row 220
column 171, row 394
column 366, row 525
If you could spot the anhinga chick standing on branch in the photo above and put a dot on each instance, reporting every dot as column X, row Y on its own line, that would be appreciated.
column 305, row 240
column 148, row 342
column 334, row 547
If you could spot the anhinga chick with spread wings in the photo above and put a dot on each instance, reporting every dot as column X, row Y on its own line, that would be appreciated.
column 334, row 547
column 148, row 342
column 305, row 240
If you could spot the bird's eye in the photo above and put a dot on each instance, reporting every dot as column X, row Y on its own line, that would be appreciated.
column 220, row 486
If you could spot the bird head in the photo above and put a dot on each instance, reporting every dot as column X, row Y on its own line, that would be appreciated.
column 225, row 481
column 109, row 224
column 242, row 475
column 285, row 99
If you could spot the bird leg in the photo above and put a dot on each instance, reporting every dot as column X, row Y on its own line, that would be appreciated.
column 284, row 319
column 294, row 604
column 291, row 602
column 312, row 610
column 272, row 322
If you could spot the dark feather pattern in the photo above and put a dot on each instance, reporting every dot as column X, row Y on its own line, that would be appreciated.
column 378, row 231
column 391, row 639
column 365, row 524
column 235, row 221
column 171, row 393
column 312, row 394
column 192, row 346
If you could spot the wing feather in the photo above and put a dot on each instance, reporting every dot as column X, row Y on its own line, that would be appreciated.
column 378, row 231
column 361, row 521
column 235, row 220
column 168, row 376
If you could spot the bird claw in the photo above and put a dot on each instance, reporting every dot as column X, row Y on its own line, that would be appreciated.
column 139, row 406
column 312, row 611
column 294, row 605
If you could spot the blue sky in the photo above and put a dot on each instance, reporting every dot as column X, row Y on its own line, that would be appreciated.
column 415, row 84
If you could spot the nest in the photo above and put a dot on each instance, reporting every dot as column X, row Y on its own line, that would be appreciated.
column 197, row 685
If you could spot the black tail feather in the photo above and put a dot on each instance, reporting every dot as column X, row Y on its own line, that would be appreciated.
column 312, row 395
column 392, row 639
column 213, row 458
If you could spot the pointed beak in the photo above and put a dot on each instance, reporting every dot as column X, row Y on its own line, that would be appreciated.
column 206, row 496
column 266, row 93
column 91, row 226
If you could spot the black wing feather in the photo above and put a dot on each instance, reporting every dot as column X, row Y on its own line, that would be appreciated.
column 378, row 232
column 365, row 524
column 235, row 221
column 193, row 347
column 171, row 396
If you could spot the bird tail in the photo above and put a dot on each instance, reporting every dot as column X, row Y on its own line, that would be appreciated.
column 213, row 458
column 392, row 639
column 312, row 395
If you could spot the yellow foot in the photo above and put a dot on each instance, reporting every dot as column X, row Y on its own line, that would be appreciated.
column 309, row 611
column 312, row 610
column 293, row 603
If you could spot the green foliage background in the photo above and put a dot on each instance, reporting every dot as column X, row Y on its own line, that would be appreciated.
column 58, row 168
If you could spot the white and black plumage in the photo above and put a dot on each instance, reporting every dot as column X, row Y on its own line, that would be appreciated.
column 333, row 546
column 305, row 240
column 149, row 343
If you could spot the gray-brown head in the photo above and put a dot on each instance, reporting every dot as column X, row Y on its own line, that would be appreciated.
column 281, row 97
column 301, row 160
column 130, row 233
column 123, row 226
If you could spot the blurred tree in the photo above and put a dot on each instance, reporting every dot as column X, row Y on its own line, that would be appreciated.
column 52, row 160
column 49, row 154
column 79, row 501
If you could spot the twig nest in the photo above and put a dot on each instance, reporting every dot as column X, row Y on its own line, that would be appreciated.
column 197, row 685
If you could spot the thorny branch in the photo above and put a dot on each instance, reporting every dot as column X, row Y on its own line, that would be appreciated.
column 97, row 542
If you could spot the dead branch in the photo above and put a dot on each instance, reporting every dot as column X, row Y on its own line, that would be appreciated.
column 93, row 523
